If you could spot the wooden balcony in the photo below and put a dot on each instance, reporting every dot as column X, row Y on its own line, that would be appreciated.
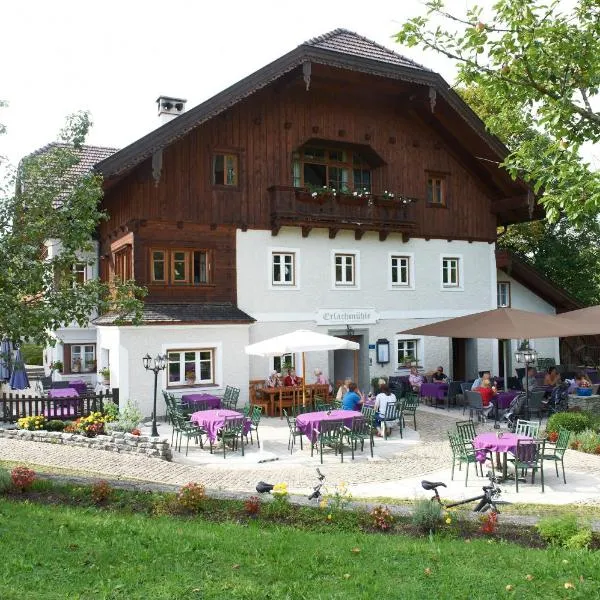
column 297, row 207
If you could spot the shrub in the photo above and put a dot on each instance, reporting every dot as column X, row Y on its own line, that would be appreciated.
column 5, row 481
column 55, row 425
column 22, row 478
column 101, row 491
column 489, row 523
column 191, row 497
column 587, row 441
column 252, row 505
column 382, row 518
column 110, row 410
column 32, row 423
column 427, row 515
column 581, row 539
column 92, row 425
column 70, row 427
column 557, row 530
column 128, row 418
column 571, row 421
column 166, row 504
column 32, row 354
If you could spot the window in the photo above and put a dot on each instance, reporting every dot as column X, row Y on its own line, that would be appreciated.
column 283, row 272
column 180, row 267
column 400, row 271
column 339, row 169
column 280, row 361
column 191, row 367
column 345, row 270
column 79, row 358
column 451, row 272
column 436, row 190
column 80, row 273
column 123, row 263
column 503, row 294
column 407, row 352
column 225, row 169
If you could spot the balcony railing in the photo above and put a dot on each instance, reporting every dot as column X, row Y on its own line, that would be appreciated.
column 298, row 207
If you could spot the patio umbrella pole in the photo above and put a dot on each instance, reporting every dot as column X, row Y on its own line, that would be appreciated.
column 303, row 380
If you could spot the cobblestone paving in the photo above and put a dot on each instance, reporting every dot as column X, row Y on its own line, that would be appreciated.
column 431, row 454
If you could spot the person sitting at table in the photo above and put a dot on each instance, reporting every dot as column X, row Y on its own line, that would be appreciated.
column 439, row 376
column 322, row 379
column 352, row 399
column 343, row 389
column 415, row 379
column 273, row 380
column 530, row 381
column 382, row 399
column 291, row 379
column 582, row 380
column 487, row 393
column 552, row 377
column 479, row 380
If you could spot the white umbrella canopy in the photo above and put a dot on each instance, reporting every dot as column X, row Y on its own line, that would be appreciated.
column 301, row 340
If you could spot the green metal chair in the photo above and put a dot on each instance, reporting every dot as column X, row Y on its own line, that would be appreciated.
column 529, row 428
column 255, row 416
column 466, row 431
column 462, row 454
column 294, row 431
column 392, row 413
column 360, row 431
column 232, row 432
column 330, row 434
column 409, row 405
column 558, row 454
column 529, row 454
column 188, row 430
column 324, row 406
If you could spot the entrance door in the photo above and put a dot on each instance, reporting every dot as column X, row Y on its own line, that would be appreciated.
column 346, row 362
column 459, row 359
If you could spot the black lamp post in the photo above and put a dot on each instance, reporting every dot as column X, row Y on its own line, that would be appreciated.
column 528, row 356
column 155, row 365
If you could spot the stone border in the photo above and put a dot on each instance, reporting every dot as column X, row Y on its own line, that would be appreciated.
column 115, row 442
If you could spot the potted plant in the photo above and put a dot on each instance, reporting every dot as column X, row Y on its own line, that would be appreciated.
column 90, row 366
column 190, row 377
column 57, row 365
column 105, row 373
column 409, row 361
column 355, row 198
column 76, row 365
column 315, row 194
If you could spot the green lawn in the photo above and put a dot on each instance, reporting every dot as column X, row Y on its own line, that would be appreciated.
column 52, row 552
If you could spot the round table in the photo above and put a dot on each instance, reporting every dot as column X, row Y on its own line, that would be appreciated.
column 213, row 420
column 308, row 422
column 501, row 445
column 209, row 399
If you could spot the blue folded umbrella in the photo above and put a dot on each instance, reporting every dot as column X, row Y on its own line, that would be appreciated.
column 19, row 379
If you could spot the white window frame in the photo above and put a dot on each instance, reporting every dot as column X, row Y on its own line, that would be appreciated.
column 506, row 285
column 460, row 285
column 418, row 350
column 81, row 267
column 182, row 378
column 295, row 252
column 282, row 360
column 355, row 285
column 81, row 353
column 411, row 271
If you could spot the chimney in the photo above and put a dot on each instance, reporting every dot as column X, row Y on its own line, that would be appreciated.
column 169, row 108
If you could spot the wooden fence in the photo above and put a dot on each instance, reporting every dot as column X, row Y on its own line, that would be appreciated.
column 16, row 406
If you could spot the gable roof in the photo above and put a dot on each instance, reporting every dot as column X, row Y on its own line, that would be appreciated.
column 88, row 155
column 339, row 48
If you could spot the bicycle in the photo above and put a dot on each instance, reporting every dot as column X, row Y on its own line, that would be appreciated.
column 487, row 500
column 262, row 487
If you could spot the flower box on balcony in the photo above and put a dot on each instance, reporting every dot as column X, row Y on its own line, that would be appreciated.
column 312, row 197
column 352, row 200
column 387, row 202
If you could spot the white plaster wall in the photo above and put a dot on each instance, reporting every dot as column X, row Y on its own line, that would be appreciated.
column 129, row 344
column 523, row 298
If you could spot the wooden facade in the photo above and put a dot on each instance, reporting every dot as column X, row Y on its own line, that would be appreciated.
column 410, row 133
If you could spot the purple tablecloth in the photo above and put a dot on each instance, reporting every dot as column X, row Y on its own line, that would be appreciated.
column 213, row 420
column 212, row 401
column 439, row 391
column 505, row 398
column 308, row 422
column 79, row 385
column 63, row 393
column 490, row 441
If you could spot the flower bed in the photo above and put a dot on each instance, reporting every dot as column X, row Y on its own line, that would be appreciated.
column 114, row 442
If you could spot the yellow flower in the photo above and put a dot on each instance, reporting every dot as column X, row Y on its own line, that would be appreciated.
column 448, row 521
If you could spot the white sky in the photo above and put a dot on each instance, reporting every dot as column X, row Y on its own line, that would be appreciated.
column 114, row 58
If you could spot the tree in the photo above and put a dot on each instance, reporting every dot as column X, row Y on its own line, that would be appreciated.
column 53, row 204
column 541, row 63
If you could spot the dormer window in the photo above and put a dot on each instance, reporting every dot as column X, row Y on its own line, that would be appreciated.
column 339, row 169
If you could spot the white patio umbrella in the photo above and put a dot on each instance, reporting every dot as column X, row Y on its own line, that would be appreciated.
column 301, row 340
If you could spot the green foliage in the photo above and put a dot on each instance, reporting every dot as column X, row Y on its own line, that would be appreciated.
column 33, row 423
column 539, row 66
column 427, row 515
column 55, row 425
column 191, row 497
column 39, row 293
column 111, row 411
column 128, row 418
column 571, row 421
column 5, row 481
column 32, row 354
column 564, row 531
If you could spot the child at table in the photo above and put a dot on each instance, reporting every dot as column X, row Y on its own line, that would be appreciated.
column 382, row 400
column 487, row 393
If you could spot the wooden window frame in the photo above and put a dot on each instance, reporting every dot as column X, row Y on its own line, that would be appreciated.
column 169, row 263
column 182, row 381
column 508, row 294
column 225, row 154
column 349, row 164
column 280, row 284
column 442, row 178
column 344, row 284
column 408, row 283
column 123, row 255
